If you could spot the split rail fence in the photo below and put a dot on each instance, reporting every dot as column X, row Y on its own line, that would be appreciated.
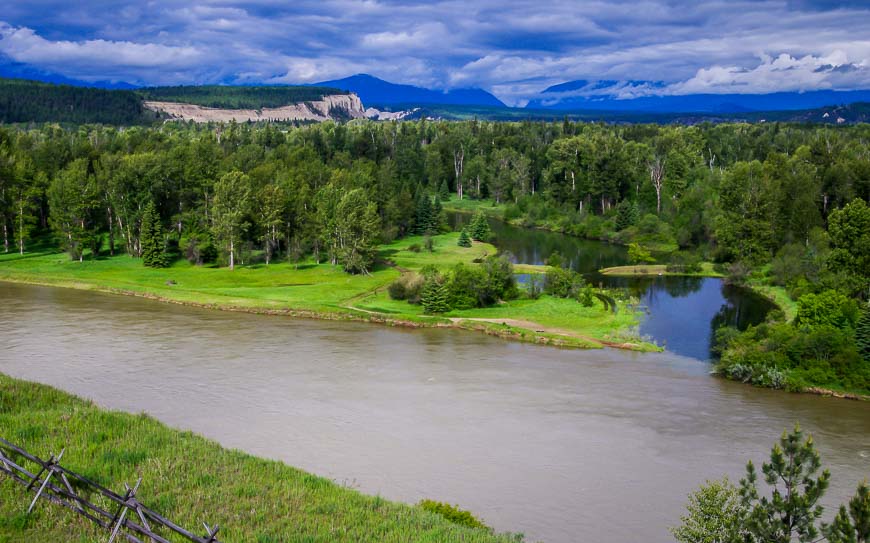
column 123, row 516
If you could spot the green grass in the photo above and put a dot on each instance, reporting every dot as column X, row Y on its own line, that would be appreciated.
column 190, row 479
column 470, row 205
column 707, row 270
column 319, row 290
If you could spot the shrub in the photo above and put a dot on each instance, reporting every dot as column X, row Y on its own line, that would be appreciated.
column 414, row 247
column 406, row 287
column 454, row 514
column 684, row 263
column 464, row 239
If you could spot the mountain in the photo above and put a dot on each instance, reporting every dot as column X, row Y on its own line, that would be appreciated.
column 608, row 95
column 377, row 92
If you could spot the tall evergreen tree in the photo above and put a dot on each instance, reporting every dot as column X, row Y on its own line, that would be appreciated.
column 434, row 297
column 423, row 216
column 479, row 228
column 436, row 216
column 793, row 509
column 153, row 244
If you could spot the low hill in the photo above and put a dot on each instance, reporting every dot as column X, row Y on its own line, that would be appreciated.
column 23, row 101
column 377, row 92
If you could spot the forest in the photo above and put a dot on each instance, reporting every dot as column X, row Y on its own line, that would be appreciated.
column 781, row 204
column 23, row 101
column 234, row 97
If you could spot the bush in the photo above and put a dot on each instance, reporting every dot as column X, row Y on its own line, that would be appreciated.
column 414, row 248
column 199, row 249
column 454, row 514
column 684, row 263
column 407, row 287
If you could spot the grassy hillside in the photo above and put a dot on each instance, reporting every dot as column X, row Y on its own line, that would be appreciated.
column 190, row 480
column 24, row 101
column 227, row 97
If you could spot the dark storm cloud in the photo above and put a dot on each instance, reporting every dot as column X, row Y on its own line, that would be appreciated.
column 514, row 48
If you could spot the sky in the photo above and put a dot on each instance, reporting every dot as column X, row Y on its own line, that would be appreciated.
column 512, row 48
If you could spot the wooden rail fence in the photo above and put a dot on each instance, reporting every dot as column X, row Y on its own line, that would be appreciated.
column 60, row 486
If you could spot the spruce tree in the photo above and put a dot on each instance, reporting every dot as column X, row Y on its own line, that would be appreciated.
column 862, row 334
column 434, row 297
column 464, row 239
column 151, row 237
column 435, row 216
column 480, row 230
column 423, row 215
column 626, row 214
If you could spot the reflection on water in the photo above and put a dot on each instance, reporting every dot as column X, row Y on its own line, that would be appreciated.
column 681, row 312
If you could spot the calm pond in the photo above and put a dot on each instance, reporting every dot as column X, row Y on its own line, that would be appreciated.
column 682, row 312
column 563, row 445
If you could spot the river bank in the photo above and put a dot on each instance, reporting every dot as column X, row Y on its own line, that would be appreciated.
column 190, row 479
column 323, row 291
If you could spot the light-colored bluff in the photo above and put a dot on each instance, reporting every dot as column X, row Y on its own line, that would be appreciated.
column 329, row 107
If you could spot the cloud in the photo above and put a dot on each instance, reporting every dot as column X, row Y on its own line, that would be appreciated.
column 514, row 48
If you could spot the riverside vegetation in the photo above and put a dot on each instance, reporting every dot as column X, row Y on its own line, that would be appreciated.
column 782, row 207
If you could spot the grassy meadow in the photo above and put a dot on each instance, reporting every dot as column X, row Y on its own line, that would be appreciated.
column 326, row 291
column 190, row 479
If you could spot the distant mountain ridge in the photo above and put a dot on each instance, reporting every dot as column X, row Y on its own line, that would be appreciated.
column 377, row 92
column 611, row 95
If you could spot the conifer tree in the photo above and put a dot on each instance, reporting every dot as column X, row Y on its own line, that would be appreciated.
column 792, row 510
column 435, row 216
column 153, row 255
column 464, row 239
column 479, row 227
column 423, row 214
column 852, row 525
column 434, row 297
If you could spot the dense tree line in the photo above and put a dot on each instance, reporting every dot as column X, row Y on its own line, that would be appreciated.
column 235, row 97
column 786, row 199
column 24, row 101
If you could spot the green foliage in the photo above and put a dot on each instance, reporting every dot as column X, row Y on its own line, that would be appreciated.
column 639, row 255
column 556, row 260
column 464, row 239
column 434, row 297
column 714, row 515
column 828, row 308
column 852, row 525
column 793, row 509
column 849, row 228
column 481, row 286
column 684, row 263
column 479, row 227
column 454, row 514
column 24, row 101
column 862, row 334
column 231, row 206
column 152, row 238
column 408, row 286
column 627, row 214
column 781, row 355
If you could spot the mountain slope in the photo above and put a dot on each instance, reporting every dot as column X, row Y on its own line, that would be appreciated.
column 616, row 96
column 377, row 92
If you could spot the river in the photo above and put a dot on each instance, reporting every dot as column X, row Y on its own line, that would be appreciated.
column 563, row 445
